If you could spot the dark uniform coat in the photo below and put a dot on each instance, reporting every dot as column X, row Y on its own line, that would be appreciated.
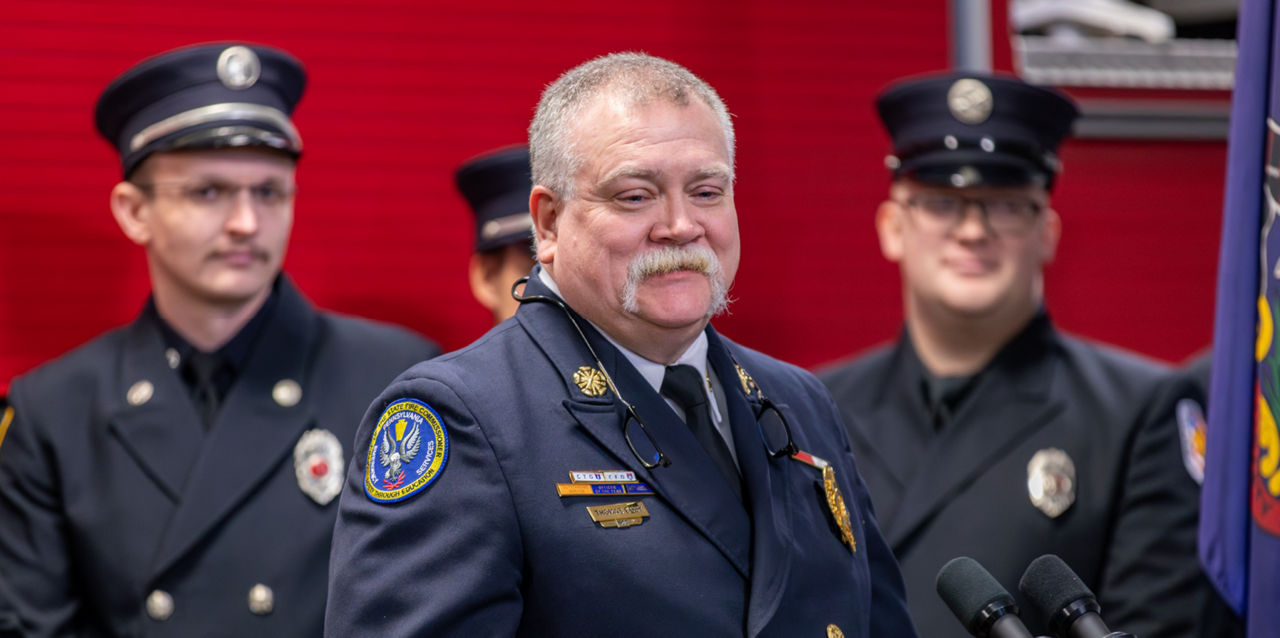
column 103, row 502
column 489, row 549
column 1131, row 531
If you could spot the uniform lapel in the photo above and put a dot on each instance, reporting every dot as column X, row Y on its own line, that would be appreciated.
column 1011, row 402
column 885, row 429
column 766, row 482
column 691, row 484
column 161, row 434
column 253, row 433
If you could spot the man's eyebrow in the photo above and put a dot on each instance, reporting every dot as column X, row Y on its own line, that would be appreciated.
column 715, row 172
column 634, row 172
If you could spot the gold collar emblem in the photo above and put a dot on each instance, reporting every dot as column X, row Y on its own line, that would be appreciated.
column 590, row 381
column 749, row 386
column 835, row 503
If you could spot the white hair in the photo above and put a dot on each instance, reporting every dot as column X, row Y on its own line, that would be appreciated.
column 637, row 78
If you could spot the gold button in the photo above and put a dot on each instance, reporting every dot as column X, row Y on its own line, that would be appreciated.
column 834, row 632
column 287, row 392
column 160, row 605
column 140, row 393
column 261, row 600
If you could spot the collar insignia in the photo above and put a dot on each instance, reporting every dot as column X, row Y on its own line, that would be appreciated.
column 590, row 381
column 749, row 386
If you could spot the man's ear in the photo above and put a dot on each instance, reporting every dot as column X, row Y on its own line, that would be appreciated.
column 545, row 206
column 890, row 231
column 1050, row 233
column 481, row 273
column 129, row 207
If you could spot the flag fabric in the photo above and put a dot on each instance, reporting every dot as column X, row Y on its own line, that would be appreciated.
column 1240, row 500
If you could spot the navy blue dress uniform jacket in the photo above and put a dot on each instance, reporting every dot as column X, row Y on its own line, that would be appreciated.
column 489, row 549
column 1130, row 533
column 103, row 502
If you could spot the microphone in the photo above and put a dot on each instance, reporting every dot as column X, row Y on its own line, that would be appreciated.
column 979, row 602
column 1070, row 606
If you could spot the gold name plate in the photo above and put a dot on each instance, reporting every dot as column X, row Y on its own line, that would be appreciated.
column 618, row 514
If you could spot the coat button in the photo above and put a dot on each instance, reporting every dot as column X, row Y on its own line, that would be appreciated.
column 139, row 393
column 287, row 393
column 834, row 632
column 261, row 600
column 171, row 355
column 159, row 605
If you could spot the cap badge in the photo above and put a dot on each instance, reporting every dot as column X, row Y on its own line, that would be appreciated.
column 317, row 462
column 590, row 381
column 238, row 67
column 1051, row 481
column 970, row 101
column 407, row 451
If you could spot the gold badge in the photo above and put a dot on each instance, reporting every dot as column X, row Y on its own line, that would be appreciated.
column 618, row 514
column 834, row 632
column 835, row 503
column 1051, row 481
column 970, row 101
column 590, row 381
column 749, row 386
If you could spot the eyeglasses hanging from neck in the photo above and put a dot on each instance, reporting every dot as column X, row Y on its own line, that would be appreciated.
column 770, row 422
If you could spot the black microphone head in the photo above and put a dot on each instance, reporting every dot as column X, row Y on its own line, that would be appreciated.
column 1057, row 591
column 973, row 595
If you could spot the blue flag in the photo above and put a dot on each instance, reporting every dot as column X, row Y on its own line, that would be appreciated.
column 1240, row 501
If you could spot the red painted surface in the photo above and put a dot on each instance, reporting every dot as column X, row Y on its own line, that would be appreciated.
column 403, row 91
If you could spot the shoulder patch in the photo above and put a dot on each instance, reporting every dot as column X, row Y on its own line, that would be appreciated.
column 407, row 452
column 1193, row 430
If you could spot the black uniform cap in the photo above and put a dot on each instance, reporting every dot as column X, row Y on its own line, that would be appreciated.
column 496, row 185
column 203, row 96
column 963, row 130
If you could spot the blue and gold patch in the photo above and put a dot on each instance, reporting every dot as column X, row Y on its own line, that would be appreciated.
column 409, row 449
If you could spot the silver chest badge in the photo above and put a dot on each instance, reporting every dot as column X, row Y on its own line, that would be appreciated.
column 317, row 462
column 238, row 67
column 1051, row 481
column 970, row 101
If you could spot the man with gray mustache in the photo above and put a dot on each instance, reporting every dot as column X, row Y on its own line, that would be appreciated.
column 670, row 259
column 605, row 463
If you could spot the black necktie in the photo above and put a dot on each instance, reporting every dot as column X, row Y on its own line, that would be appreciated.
column 683, row 385
column 203, row 368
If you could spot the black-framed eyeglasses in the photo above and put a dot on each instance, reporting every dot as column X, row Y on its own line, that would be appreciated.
column 775, row 431
column 1002, row 213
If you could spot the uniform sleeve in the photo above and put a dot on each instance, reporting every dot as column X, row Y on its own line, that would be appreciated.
column 446, row 560
column 1152, row 585
column 38, row 595
column 888, row 615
